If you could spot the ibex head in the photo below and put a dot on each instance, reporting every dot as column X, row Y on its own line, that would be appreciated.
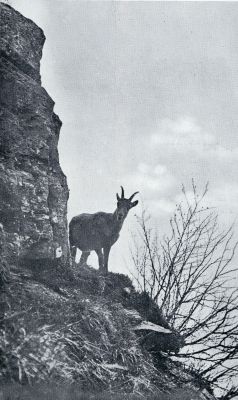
column 124, row 205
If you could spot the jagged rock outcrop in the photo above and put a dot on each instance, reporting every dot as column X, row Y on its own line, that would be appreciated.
column 33, row 188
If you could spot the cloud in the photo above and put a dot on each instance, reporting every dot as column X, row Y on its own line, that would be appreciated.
column 161, row 206
column 185, row 150
column 224, row 198
column 185, row 136
column 155, row 182
column 151, row 178
column 221, row 198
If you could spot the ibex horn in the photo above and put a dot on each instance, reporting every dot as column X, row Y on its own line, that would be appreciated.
column 122, row 193
column 133, row 195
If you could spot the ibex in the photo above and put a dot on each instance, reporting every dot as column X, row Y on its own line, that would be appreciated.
column 99, row 231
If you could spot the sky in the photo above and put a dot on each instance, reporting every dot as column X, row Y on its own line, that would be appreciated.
column 148, row 96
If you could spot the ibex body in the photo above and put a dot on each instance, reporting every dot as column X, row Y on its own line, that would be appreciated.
column 99, row 231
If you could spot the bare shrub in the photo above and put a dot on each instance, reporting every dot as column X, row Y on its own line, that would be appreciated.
column 190, row 275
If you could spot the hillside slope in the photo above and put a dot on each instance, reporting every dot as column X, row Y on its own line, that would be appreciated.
column 81, row 331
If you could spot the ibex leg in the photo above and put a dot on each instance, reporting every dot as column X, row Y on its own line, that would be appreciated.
column 106, row 251
column 100, row 258
column 84, row 257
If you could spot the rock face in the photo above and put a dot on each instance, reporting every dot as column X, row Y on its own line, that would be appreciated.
column 33, row 188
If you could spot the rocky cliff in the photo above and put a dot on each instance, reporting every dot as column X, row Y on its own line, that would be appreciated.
column 33, row 188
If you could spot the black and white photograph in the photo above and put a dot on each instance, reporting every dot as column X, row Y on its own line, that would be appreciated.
column 118, row 200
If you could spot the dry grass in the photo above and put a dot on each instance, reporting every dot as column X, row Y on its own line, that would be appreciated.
column 72, row 337
column 72, row 341
column 72, row 392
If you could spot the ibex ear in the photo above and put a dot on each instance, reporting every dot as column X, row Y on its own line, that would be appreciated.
column 134, row 204
column 118, row 198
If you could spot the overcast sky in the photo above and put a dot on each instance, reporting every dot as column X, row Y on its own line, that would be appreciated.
column 148, row 96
